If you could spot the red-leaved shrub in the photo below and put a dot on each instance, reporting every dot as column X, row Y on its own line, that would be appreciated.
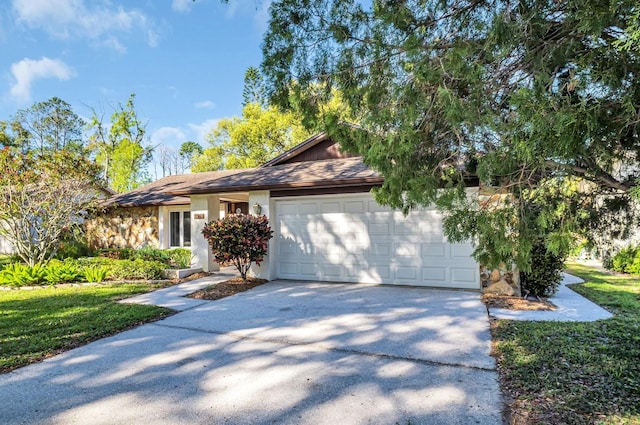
column 239, row 239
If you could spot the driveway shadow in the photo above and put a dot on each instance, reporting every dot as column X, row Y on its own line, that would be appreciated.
column 283, row 353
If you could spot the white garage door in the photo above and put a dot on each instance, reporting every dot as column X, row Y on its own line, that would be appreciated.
column 350, row 238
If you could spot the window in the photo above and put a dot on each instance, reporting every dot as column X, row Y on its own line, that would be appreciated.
column 180, row 228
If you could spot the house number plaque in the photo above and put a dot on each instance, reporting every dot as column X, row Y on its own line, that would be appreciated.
column 198, row 216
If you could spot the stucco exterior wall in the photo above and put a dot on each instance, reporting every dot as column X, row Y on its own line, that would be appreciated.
column 134, row 227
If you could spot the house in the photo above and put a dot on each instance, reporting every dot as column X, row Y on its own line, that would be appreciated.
column 327, row 226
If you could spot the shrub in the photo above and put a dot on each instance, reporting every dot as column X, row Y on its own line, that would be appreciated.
column 115, row 253
column 623, row 260
column 152, row 254
column 136, row 269
column 147, row 253
column 180, row 258
column 18, row 274
column 545, row 275
column 95, row 274
column 72, row 249
column 61, row 272
column 239, row 239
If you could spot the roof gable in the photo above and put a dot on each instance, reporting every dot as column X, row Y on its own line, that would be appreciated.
column 316, row 148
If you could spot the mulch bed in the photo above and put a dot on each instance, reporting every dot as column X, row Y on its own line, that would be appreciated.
column 517, row 303
column 226, row 288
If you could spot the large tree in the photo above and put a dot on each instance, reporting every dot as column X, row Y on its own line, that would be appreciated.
column 264, row 131
column 533, row 97
column 248, row 141
column 47, row 183
column 43, row 197
column 49, row 126
column 120, row 147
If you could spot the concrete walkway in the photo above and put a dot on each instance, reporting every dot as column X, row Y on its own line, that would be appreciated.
column 174, row 298
column 572, row 307
column 302, row 353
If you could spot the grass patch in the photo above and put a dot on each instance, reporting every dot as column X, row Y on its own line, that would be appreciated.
column 576, row 373
column 36, row 324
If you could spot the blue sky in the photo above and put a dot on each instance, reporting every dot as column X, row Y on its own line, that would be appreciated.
column 184, row 60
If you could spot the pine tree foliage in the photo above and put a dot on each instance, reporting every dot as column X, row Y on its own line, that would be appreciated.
column 534, row 97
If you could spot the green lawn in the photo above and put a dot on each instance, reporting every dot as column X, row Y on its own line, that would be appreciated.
column 35, row 324
column 576, row 373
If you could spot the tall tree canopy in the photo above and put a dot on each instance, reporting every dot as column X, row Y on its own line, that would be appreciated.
column 248, row 141
column 264, row 131
column 120, row 147
column 532, row 96
column 49, row 126
column 47, row 182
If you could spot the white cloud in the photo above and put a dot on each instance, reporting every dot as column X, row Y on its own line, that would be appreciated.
column 73, row 19
column 205, row 104
column 27, row 71
column 201, row 130
column 168, row 136
column 182, row 5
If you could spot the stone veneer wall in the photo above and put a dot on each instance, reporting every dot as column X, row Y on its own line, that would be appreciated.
column 120, row 227
column 502, row 280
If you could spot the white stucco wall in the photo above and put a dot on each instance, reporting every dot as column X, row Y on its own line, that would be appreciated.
column 204, row 208
column 267, row 268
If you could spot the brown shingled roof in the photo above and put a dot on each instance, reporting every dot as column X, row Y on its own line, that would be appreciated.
column 160, row 192
column 317, row 174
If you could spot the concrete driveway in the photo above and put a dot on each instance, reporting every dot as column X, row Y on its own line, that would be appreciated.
column 282, row 353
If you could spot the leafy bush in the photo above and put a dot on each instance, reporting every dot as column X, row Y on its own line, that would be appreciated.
column 136, row 269
column 165, row 256
column 18, row 274
column 72, row 249
column 180, row 258
column 239, row 239
column 623, row 260
column 115, row 253
column 62, row 272
column 152, row 254
column 95, row 274
column 545, row 275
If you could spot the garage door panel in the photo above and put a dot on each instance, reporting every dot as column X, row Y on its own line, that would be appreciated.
column 405, row 250
column 308, row 208
column 408, row 227
column 461, row 250
column 379, row 228
column 380, row 250
column 434, row 250
column 431, row 225
column 434, row 276
column 331, row 271
column 329, row 207
column 287, row 209
column 353, row 239
column 288, row 268
column 373, row 206
column 406, row 273
column 463, row 275
column 308, row 269
column 289, row 249
column 357, row 207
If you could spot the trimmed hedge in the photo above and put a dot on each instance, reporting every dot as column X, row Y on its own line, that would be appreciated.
column 175, row 258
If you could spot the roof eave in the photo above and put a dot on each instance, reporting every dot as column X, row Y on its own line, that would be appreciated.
column 363, row 181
